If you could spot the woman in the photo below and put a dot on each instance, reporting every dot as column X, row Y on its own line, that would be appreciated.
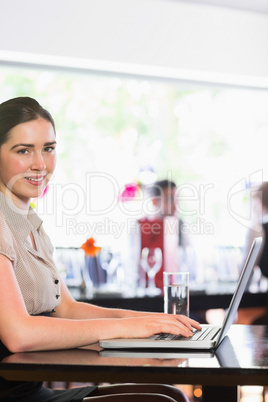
column 31, row 290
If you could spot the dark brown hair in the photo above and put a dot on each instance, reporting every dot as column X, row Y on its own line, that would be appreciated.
column 157, row 187
column 20, row 110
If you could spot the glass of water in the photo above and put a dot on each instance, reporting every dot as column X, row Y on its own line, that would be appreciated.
column 176, row 293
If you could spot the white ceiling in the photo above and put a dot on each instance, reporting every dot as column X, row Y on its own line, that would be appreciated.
column 258, row 6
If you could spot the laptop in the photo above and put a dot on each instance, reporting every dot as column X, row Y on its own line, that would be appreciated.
column 160, row 354
column 210, row 336
column 223, row 356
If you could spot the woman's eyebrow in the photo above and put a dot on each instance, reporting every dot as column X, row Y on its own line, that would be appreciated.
column 50, row 143
column 32, row 146
column 22, row 145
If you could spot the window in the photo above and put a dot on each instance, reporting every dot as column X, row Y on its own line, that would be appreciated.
column 114, row 130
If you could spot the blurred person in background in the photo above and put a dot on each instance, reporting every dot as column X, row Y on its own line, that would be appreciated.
column 259, row 228
column 164, row 197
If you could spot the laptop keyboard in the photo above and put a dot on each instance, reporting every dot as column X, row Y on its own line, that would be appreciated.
column 197, row 335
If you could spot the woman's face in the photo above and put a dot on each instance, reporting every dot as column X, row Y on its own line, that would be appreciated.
column 27, row 161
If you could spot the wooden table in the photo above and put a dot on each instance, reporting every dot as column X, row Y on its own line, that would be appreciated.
column 241, row 359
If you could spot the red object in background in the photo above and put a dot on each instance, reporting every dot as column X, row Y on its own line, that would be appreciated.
column 152, row 235
column 162, row 233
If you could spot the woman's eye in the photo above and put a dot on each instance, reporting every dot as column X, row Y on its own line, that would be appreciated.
column 48, row 149
column 23, row 151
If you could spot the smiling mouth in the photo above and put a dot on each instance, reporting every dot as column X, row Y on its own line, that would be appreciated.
column 35, row 179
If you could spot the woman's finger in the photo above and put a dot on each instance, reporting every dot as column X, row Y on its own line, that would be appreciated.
column 189, row 322
column 171, row 324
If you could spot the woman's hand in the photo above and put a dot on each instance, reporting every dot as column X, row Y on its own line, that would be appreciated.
column 151, row 324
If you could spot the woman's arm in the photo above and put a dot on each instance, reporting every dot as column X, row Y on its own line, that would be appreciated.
column 70, row 308
column 21, row 332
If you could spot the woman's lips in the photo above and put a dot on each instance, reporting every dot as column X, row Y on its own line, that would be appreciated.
column 35, row 181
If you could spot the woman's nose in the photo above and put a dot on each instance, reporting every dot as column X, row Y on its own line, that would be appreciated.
column 38, row 162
